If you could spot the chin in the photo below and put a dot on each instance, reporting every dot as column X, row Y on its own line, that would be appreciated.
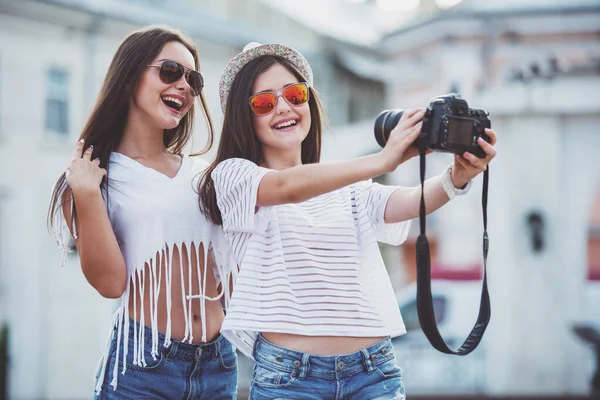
column 289, row 145
column 171, row 123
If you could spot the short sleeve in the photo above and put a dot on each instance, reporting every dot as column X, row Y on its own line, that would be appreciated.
column 60, row 229
column 374, row 198
column 236, row 185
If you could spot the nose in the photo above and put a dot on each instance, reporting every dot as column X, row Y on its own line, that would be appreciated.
column 182, row 84
column 281, row 106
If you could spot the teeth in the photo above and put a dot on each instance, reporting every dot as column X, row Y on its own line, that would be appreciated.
column 286, row 124
column 174, row 100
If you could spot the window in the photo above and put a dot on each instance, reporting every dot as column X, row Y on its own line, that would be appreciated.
column 57, row 102
column 363, row 97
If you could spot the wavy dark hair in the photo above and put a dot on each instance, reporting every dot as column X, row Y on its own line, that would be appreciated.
column 105, row 126
column 238, row 137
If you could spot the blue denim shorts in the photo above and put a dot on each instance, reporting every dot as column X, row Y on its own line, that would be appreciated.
column 181, row 371
column 370, row 373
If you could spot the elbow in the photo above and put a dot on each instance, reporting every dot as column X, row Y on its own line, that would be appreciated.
column 111, row 287
column 110, row 292
column 292, row 197
column 282, row 191
column 291, row 194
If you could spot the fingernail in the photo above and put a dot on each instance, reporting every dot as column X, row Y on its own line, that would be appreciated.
column 81, row 140
column 466, row 154
column 92, row 146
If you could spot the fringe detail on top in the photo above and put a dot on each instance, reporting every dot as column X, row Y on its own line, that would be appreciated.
column 61, row 232
column 226, row 274
column 223, row 273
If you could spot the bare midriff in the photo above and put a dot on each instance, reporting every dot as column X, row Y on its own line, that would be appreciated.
column 321, row 345
column 214, row 309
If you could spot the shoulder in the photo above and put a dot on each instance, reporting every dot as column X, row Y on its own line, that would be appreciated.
column 198, row 164
column 235, row 163
column 237, row 175
column 237, row 167
column 121, row 168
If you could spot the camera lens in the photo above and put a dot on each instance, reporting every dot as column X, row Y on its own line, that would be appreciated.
column 384, row 123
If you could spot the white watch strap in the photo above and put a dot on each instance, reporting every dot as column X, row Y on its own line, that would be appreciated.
column 448, row 186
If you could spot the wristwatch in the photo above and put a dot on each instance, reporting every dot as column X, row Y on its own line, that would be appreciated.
column 448, row 186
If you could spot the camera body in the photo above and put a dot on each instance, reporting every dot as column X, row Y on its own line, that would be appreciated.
column 449, row 125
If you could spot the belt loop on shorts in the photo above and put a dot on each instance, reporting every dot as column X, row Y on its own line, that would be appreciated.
column 255, row 345
column 172, row 349
column 305, row 366
column 218, row 346
column 367, row 360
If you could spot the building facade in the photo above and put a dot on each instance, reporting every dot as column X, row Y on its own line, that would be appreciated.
column 535, row 66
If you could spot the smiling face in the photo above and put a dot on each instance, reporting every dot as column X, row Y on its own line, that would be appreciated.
column 284, row 129
column 163, row 105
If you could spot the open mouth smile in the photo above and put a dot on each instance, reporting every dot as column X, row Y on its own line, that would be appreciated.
column 174, row 103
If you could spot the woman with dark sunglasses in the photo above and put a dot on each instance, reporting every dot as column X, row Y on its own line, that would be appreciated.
column 312, row 302
column 129, row 202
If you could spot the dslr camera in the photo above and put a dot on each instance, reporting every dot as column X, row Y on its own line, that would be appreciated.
column 449, row 126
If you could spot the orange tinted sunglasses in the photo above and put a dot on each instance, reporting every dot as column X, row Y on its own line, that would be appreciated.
column 295, row 94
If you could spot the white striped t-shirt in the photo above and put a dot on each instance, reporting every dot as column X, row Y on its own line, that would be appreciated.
column 312, row 268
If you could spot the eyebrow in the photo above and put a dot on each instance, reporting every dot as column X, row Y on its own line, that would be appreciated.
column 168, row 59
column 273, row 90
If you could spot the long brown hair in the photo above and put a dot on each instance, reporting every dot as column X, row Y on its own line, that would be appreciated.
column 238, row 137
column 105, row 126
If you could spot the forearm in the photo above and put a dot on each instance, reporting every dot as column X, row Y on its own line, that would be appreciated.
column 404, row 203
column 304, row 182
column 101, row 259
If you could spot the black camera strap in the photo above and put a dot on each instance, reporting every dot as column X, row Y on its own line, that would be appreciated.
column 424, row 298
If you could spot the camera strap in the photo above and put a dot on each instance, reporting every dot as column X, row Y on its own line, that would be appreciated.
column 424, row 298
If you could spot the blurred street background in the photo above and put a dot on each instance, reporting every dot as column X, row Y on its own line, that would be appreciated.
column 533, row 64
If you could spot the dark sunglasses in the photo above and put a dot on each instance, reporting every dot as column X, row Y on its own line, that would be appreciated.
column 172, row 71
column 294, row 94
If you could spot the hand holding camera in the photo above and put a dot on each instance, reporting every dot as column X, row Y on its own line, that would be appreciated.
column 397, row 147
column 446, row 125
column 467, row 166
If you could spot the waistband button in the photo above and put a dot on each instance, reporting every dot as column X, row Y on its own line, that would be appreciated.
column 297, row 363
column 384, row 351
column 373, row 357
column 199, row 352
column 341, row 365
column 279, row 358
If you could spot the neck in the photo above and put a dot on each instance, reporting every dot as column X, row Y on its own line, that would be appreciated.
column 140, row 138
column 279, row 159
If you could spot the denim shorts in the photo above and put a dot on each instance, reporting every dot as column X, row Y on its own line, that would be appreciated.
column 368, row 374
column 181, row 371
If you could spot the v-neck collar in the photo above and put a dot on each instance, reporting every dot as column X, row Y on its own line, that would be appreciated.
column 138, row 165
